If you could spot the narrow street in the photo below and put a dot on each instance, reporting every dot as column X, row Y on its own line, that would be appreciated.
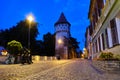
column 77, row 69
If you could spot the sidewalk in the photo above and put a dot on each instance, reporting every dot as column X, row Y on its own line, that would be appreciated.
column 108, row 67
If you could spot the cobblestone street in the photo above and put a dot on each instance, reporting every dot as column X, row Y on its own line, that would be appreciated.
column 55, row 70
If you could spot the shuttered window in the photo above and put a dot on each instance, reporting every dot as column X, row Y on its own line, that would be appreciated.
column 114, row 32
column 96, row 46
column 99, row 44
column 106, row 36
column 100, row 4
column 103, row 43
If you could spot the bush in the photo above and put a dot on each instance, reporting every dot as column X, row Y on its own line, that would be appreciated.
column 14, row 47
column 106, row 56
column 117, row 57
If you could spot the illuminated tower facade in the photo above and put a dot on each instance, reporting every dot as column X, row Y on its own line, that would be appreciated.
column 62, row 34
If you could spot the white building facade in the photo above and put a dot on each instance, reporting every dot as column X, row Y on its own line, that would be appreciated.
column 62, row 34
column 104, row 18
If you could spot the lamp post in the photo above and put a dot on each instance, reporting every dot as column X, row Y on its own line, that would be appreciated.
column 60, row 41
column 30, row 18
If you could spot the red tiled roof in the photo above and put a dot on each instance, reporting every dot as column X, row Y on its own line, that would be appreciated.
column 62, row 20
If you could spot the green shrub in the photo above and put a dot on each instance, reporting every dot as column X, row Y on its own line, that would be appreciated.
column 106, row 56
column 14, row 47
column 117, row 57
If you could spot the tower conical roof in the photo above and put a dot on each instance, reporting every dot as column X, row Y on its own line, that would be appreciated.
column 62, row 20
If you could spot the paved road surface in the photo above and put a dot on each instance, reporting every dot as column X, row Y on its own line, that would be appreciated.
column 55, row 70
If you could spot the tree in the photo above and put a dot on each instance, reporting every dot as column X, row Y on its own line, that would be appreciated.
column 49, row 44
column 39, row 48
column 20, row 33
column 14, row 47
column 73, row 45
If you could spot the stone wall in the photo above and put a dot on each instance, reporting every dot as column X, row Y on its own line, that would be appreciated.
column 2, row 59
column 108, row 66
column 43, row 58
column 114, row 50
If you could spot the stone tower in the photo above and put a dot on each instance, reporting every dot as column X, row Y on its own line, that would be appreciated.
column 62, row 34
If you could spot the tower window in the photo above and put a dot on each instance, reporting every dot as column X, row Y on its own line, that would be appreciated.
column 61, row 27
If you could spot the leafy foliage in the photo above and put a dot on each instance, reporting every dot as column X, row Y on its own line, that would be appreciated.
column 73, row 45
column 49, row 44
column 106, row 55
column 117, row 57
column 45, row 47
column 20, row 33
column 14, row 47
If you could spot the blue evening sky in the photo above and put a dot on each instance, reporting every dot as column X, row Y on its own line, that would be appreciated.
column 46, row 13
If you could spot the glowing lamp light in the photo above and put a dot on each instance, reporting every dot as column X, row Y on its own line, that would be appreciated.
column 30, row 18
column 37, row 58
column 59, row 41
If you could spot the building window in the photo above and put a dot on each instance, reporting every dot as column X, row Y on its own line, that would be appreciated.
column 99, row 12
column 106, row 36
column 96, row 12
column 103, row 43
column 61, row 27
column 66, row 25
column 57, row 28
column 93, row 48
column 104, row 1
column 114, row 32
column 91, row 29
column 99, row 44
column 96, row 46
column 100, row 4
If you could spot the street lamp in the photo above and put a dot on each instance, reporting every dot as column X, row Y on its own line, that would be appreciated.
column 30, row 18
column 60, row 41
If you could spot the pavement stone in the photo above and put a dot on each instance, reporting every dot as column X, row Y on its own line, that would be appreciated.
column 76, row 69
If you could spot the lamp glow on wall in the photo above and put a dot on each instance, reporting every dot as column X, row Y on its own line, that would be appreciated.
column 60, row 41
